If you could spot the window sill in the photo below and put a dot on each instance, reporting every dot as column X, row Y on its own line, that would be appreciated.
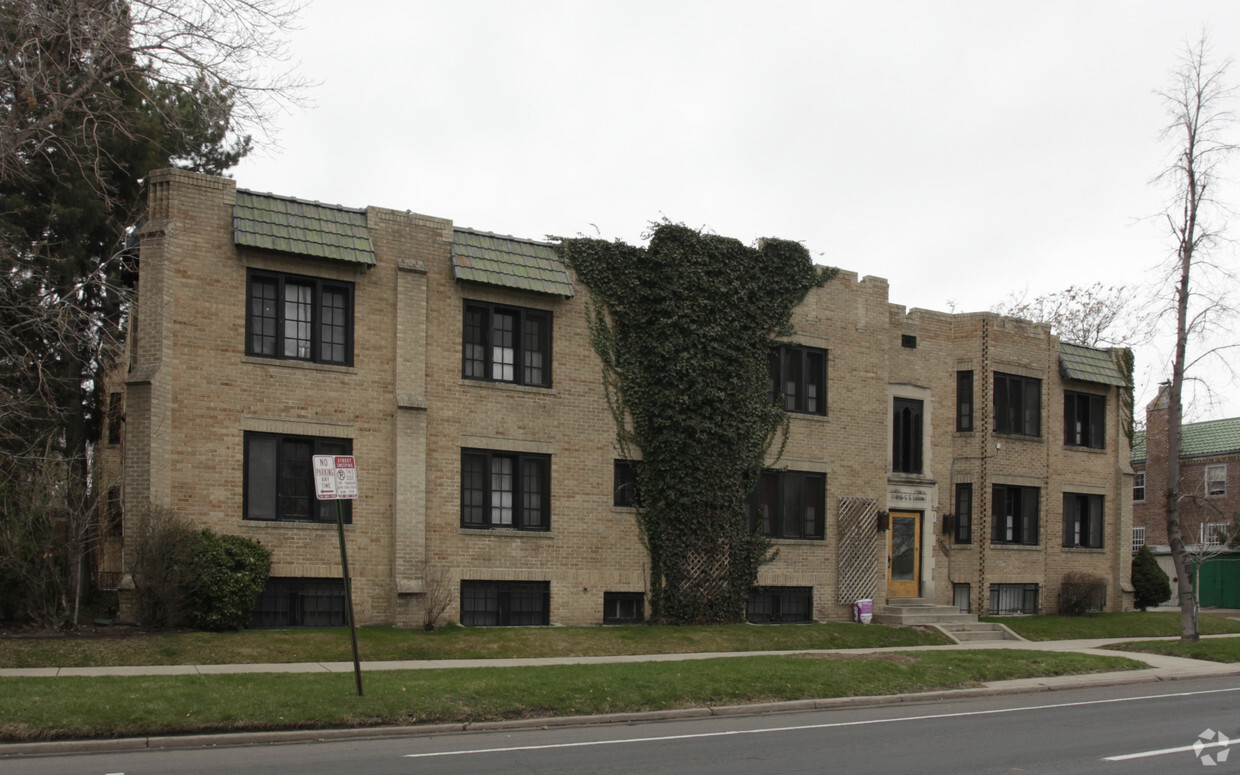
column 1080, row 448
column 1084, row 550
column 295, row 524
column 807, row 416
column 1016, row 547
column 493, row 385
column 503, row 532
column 798, row 541
column 292, row 364
column 1019, row 437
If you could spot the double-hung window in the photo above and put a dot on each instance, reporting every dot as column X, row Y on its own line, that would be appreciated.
column 1082, row 520
column 789, row 504
column 1216, row 480
column 964, row 401
column 906, row 442
column 299, row 318
column 279, row 478
column 799, row 379
column 964, row 513
column 506, row 344
column 506, row 490
column 624, row 484
column 1015, row 515
column 1084, row 420
column 1138, row 487
column 1018, row 405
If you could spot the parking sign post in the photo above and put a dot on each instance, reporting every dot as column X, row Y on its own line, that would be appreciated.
column 335, row 478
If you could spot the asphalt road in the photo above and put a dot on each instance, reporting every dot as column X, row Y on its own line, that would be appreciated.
column 1127, row 729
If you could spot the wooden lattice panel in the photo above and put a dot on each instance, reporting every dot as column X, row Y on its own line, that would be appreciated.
column 858, row 552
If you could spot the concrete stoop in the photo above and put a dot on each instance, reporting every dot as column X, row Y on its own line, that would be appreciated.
column 947, row 619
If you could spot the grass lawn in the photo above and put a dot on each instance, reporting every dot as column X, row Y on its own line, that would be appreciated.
column 1213, row 650
column 1132, row 624
column 451, row 642
column 67, row 708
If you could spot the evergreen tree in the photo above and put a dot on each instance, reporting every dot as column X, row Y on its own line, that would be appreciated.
column 1148, row 580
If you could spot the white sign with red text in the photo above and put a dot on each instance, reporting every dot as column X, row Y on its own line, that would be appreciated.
column 335, row 477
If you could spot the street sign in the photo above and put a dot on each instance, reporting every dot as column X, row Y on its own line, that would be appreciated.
column 335, row 477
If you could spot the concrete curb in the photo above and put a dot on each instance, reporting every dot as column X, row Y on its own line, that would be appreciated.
column 271, row 737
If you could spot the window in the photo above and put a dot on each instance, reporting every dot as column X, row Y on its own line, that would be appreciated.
column 299, row 318
column 906, row 445
column 1212, row 533
column 909, row 341
column 505, row 603
column 279, row 478
column 780, row 604
column 1015, row 515
column 623, row 607
column 1138, row 487
column 1138, row 537
column 788, row 504
column 624, row 484
column 964, row 513
column 291, row 602
column 1018, row 405
column 964, row 401
column 1012, row 599
column 116, row 415
column 114, row 513
column 505, row 490
column 1082, row 520
column 506, row 344
column 1084, row 420
column 799, row 374
column 962, row 595
column 1216, row 480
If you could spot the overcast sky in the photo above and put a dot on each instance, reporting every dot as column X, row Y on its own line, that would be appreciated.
column 962, row 150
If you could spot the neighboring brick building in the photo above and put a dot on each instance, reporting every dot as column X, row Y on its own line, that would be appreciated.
column 1209, row 477
column 977, row 452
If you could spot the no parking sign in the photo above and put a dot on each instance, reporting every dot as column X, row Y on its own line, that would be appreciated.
column 335, row 477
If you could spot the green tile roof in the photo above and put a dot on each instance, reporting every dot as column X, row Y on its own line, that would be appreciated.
column 509, row 262
column 1212, row 437
column 1087, row 364
column 305, row 228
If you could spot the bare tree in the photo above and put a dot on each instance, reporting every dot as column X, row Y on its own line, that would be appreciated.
column 1198, row 105
column 1095, row 316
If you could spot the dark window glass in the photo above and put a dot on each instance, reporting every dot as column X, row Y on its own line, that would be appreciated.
column 116, row 415
column 906, row 442
column 964, row 513
column 1082, row 520
column 1084, row 420
column 299, row 318
column 291, row 602
column 505, row 490
column 506, row 344
column 799, row 379
column 789, row 504
column 505, row 603
column 962, row 597
column 909, row 341
column 623, row 607
column 624, row 484
column 1138, row 486
column 279, row 478
column 1012, row 599
column 1018, row 405
column 114, row 515
column 780, row 604
column 964, row 401
column 1015, row 515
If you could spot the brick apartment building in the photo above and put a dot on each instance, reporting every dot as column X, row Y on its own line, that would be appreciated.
column 964, row 459
column 1210, row 484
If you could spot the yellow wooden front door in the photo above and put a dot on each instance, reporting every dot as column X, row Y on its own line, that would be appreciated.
column 904, row 554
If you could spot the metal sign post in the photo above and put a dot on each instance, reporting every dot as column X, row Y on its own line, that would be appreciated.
column 335, row 478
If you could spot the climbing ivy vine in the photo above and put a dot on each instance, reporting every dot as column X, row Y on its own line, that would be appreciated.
column 684, row 329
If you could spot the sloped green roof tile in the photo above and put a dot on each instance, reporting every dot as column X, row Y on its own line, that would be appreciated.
column 509, row 262
column 304, row 228
column 1088, row 364
column 1198, row 439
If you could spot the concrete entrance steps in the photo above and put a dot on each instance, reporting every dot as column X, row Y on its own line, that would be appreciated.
column 947, row 619
column 976, row 631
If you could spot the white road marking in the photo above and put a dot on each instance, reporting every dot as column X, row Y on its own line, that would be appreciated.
column 963, row 714
column 1165, row 751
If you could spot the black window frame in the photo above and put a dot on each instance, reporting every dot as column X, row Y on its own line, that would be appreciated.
column 624, row 607
column 525, row 344
column 256, row 339
column 803, row 367
column 964, row 401
column 772, row 489
column 300, row 602
column 1083, row 518
column 1026, row 595
column 1138, row 483
column 515, row 603
column 962, row 591
column 624, row 493
column 1015, row 515
column 907, row 435
column 1084, row 419
column 963, row 534
column 478, row 504
column 319, row 511
column 778, row 605
column 115, row 417
column 1018, row 405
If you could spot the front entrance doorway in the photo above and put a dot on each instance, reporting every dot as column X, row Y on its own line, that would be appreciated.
column 904, row 554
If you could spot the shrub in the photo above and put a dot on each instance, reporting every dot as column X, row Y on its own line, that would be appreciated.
column 161, row 552
column 1149, row 582
column 232, row 572
column 1080, row 593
